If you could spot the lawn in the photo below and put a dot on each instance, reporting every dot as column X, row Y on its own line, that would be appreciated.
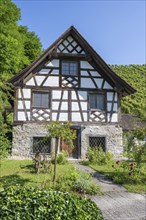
column 133, row 181
column 22, row 172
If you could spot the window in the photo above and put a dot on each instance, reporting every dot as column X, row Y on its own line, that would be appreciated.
column 41, row 145
column 97, row 101
column 95, row 142
column 41, row 100
column 69, row 68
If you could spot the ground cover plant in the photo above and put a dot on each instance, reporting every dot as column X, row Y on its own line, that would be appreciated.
column 32, row 203
column 22, row 172
column 130, row 173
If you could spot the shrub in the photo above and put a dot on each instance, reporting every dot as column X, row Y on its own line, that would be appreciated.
column 61, row 158
column 98, row 156
column 31, row 203
column 84, row 185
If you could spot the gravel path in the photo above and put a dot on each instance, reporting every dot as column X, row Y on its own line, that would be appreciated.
column 116, row 203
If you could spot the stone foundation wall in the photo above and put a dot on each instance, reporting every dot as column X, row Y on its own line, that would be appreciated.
column 112, row 134
column 23, row 138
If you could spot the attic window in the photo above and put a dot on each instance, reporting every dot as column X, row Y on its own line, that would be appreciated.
column 69, row 68
column 97, row 101
column 40, row 99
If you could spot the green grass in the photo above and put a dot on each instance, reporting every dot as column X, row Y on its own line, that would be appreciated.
column 133, row 183
column 22, row 172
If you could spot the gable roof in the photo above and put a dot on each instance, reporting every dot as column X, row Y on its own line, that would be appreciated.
column 91, row 56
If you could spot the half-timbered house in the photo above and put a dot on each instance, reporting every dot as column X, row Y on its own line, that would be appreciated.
column 68, row 82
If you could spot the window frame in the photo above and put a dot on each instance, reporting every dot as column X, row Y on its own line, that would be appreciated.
column 70, row 62
column 42, row 137
column 104, row 101
column 41, row 92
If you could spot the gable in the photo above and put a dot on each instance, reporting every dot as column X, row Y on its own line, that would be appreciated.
column 72, row 44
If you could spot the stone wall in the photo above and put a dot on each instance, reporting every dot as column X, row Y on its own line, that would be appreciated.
column 23, row 138
column 112, row 134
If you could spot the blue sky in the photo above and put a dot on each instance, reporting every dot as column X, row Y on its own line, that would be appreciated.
column 115, row 29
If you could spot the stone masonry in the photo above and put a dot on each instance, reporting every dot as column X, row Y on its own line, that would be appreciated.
column 23, row 138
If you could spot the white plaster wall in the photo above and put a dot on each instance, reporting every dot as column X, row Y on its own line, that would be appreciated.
column 52, row 81
column 21, row 116
column 56, row 94
column 76, row 117
column 39, row 79
column 85, row 65
column 26, row 93
column 82, row 95
column 107, row 86
column 74, row 106
column 87, row 83
column 63, row 117
column 30, row 82
column 64, row 106
column 53, row 63
column 83, row 106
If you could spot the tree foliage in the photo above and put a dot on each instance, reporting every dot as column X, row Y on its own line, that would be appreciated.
column 135, row 75
column 18, row 48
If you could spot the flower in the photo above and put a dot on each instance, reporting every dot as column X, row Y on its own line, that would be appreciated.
column 129, row 174
column 131, row 168
column 117, row 162
column 113, row 166
column 131, row 164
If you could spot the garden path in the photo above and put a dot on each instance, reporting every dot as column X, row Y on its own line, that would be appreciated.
column 116, row 203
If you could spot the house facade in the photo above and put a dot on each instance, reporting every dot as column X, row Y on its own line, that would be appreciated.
column 68, row 82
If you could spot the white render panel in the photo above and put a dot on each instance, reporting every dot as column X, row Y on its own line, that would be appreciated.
column 87, row 83
column 27, row 93
column 116, row 97
column 110, row 96
column 53, row 63
column 64, row 106
column 84, row 73
column 44, row 71
column 27, row 104
column 115, row 107
column 85, row 65
column 76, row 116
column 30, row 82
column 107, row 86
column 56, row 94
column 83, row 106
column 21, row 116
column 65, row 94
column 55, row 105
column 52, row 81
column 94, row 73
column 20, row 104
column 69, row 38
column 109, row 106
column 39, row 79
column 74, row 96
column 85, row 116
column 82, row 95
column 74, row 106
column 98, row 82
column 54, row 116
column 55, row 72
column 63, row 117
column 114, row 117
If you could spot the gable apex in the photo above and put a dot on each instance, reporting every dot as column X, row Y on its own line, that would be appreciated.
column 83, row 48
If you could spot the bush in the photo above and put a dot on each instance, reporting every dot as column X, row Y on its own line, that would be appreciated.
column 61, row 158
column 84, row 185
column 98, row 156
column 31, row 203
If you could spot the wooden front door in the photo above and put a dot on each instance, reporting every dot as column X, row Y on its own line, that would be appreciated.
column 73, row 152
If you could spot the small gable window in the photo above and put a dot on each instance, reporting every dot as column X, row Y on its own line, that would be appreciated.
column 96, row 142
column 97, row 101
column 41, row 100
column 69, row 68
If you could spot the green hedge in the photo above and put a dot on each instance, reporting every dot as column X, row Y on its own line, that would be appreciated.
column 31, row 203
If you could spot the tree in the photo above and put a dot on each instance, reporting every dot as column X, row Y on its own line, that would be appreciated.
column 62, row 131
column 18, row 48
